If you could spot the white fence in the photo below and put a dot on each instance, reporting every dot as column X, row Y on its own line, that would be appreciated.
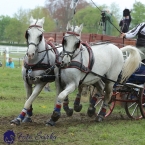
column 16, row 49
column 16, row 52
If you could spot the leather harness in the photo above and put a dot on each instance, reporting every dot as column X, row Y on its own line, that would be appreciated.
column 48, row 75
column 80, row 66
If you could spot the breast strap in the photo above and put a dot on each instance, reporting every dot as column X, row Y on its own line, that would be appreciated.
column 80, row 66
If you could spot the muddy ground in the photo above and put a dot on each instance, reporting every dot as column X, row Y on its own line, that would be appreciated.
column 37, row 133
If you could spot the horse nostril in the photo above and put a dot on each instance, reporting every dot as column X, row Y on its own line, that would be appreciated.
column 32, row 54
column 62, row 61
column 27, row 54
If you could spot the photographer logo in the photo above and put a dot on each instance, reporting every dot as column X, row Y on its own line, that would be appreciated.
column 9, row 137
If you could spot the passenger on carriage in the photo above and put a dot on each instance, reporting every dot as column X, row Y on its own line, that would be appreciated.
column 138, row 31
column 50, row 40
column 125, row 22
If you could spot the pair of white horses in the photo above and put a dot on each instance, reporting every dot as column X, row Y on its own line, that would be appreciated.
column 79, row 65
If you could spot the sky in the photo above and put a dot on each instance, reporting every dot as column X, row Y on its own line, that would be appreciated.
column 9, row 7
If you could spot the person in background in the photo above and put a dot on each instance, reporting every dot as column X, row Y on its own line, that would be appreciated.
column 125, row 22
column 51, row 40
column 108, row 22
column 47, row 86
column 10, row 63
column 138, row 31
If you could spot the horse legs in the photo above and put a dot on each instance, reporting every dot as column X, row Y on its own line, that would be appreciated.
column 96, row 92
column 28, row 116
column 29, row 111
column 108, row 93
column 28, row 103
column 57, row 110
column 77, row 105
column 69, row 111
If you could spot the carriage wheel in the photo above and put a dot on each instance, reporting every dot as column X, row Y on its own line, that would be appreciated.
column 99, row 103
column 142, row 102
column 132, row 105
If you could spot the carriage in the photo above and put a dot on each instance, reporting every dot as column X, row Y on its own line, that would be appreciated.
column 130, row 95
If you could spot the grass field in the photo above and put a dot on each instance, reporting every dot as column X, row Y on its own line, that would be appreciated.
column 76, row 130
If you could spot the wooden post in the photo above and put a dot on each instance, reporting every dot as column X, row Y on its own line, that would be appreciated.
column 22, row 62
column 4, row 59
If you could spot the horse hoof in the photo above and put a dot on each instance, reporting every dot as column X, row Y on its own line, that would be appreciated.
column 55, row 116
column 78, row 108
column 27, row 120
column 69, row 112
column 50, row 123
column 91, row 111
column 99, row 118
column 15, row 122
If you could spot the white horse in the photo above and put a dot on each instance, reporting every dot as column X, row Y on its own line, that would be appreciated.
column 38, row 69
column 88, row 66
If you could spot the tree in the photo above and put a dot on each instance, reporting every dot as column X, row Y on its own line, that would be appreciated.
column 91, row 18
column 14, row 31
column 114, row 8
column 40, row 12
column 61, row 12
column 4, row 21
column 137, row 14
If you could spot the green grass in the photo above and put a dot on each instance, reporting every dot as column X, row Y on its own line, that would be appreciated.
column 76, row 130
column 13, row 95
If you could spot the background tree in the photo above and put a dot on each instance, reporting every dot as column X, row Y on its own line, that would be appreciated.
column 137, row 14
column 4, row 22
column 61, row 12
column 14, row 31
column 92, row 19
column 40, row 12
column 115, row 10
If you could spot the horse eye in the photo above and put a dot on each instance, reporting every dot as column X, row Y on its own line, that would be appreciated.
column 26, row 35
column 64, row 42
column 77, row 44
column 40, row 37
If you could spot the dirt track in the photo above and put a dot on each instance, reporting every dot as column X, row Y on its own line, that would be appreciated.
column 28, row 132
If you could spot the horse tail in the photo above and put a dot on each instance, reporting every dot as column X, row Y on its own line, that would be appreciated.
column 132, row 62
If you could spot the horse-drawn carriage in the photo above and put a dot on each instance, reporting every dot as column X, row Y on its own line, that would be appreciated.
column 79, row 64
column 134, row 106
column 129, row 95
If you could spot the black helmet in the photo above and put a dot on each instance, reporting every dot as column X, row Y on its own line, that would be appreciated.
column 126, row 12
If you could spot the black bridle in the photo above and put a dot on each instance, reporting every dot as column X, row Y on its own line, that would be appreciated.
column 70, row 54
column 27, row 35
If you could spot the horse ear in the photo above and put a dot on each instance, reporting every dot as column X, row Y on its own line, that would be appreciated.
column 43, row 19
column 81, row 27
column 31, row 19
column 68, row 28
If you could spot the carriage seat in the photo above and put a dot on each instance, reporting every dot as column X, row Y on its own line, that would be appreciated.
column 141, row 86
column 139, row 76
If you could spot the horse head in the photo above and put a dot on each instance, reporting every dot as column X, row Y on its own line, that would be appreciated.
column 34, row 36
column 71, row 43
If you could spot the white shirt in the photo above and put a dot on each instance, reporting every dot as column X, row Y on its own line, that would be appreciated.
column 133, row 32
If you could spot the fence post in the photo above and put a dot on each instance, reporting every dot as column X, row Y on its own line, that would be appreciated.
column 4, row 59
column 7, row 54
column 22, row 63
